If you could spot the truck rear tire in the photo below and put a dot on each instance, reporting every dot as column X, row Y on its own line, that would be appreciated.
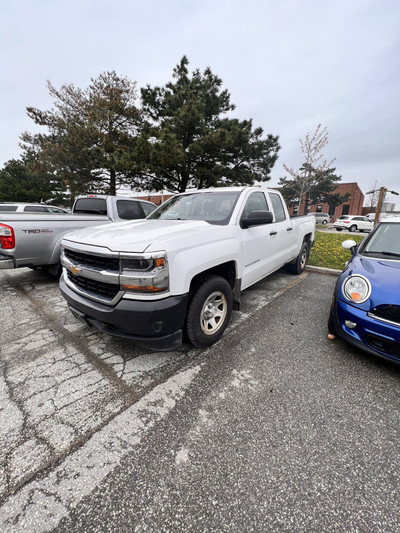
column 298, row 266
column 209, row 311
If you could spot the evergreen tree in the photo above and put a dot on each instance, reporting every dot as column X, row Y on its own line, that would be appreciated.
column 335, row 199
column 320, row 183
column 188, row 141
column 88, row 134
column 20, row 183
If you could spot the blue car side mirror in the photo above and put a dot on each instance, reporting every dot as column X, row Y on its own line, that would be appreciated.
column 350, row 245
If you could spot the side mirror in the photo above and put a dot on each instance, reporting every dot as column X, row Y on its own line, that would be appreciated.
column 257, row 218
column 350, row 245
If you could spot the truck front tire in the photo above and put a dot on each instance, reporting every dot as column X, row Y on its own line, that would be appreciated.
column 209, row 311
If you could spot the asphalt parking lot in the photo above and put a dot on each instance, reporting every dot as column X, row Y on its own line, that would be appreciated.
column 274, row 428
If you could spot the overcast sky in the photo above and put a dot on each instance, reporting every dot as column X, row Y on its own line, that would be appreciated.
column 288, row 64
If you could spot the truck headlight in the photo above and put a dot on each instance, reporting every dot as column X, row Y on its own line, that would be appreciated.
column 357, row 289
column 145, row 273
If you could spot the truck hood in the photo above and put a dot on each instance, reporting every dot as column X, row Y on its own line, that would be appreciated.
column 139, row 235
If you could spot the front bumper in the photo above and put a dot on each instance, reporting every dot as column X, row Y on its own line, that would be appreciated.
column 154, row 324
column 374, row 336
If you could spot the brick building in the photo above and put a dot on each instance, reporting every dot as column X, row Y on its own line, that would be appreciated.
column 353, row 206
column 156, row 198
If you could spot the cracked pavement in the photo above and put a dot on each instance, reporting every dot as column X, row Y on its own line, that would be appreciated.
column 61, row 382
column 274, row 428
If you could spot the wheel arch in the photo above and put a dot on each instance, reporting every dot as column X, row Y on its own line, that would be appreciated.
column 309, row 241
column 228, row 271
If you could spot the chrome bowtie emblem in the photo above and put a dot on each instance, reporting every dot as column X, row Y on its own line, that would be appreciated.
column 75, row 270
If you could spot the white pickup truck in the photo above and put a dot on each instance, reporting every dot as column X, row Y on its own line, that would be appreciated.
column 33, row 239
column 182, row 269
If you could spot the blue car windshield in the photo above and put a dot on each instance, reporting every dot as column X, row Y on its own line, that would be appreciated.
column 213, row 207
column 384, row 241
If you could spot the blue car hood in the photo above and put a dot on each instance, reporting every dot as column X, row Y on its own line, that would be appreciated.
column 384, row 277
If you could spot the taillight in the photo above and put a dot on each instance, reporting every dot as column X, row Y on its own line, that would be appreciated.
column 7, row 237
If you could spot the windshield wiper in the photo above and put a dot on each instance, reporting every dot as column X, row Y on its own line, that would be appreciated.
column 382, row 252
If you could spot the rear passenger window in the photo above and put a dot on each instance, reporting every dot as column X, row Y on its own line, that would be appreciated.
column 129, row 210
column 277, row 207
column 35, row 209
column 8, row 207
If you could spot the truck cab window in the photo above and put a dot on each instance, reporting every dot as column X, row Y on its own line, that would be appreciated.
column 147, row 208
column 128, row 210
column 255, row 202
column 97, row 206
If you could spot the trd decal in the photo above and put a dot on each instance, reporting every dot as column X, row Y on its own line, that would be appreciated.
column 37, row 231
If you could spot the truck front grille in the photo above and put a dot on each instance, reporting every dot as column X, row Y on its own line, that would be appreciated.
column 95, row 262
column 97, row 289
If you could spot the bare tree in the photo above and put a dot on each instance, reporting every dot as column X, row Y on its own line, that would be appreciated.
column 306, row 177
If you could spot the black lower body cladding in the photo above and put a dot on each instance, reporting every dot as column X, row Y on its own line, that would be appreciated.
column 154, row 324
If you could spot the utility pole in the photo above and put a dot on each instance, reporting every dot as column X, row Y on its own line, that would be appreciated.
column 381, row 199
column 382, row 194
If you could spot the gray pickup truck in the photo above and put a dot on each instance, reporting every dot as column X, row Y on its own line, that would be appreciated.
column 33, row 240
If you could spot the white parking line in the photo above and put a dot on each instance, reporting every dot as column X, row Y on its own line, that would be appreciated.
column 41, row 504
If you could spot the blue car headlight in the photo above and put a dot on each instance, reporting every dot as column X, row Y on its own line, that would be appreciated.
column 356, row 288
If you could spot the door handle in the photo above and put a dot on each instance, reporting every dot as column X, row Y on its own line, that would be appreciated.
column 273, row 232
column 289, row 229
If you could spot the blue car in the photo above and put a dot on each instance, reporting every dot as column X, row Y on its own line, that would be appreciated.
column 365, row 309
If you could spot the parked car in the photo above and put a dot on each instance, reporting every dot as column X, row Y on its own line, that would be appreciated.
column 365, row 310
column 353, row 223
column 371, row 216
column 19, row 207
column 182, row 269
column 320, row 218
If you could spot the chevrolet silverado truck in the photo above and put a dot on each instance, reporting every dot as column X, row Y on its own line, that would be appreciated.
column 33, row 240
column 181, row 271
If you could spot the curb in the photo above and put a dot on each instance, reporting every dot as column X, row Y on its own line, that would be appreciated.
column 323, row 270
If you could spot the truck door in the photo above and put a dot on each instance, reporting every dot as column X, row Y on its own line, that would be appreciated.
column 256, row 242
column 284, row 238
column 266, row 248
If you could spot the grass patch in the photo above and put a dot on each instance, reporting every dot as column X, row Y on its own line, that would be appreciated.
column 328, row 252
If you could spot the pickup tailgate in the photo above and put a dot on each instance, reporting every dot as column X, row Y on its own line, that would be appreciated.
column 37, row 236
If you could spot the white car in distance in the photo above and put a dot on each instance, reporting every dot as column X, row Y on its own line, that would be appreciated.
column 353, row 223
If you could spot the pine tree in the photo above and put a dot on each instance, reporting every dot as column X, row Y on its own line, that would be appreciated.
column 19, row 182
column 188, row 141
column 88, row 133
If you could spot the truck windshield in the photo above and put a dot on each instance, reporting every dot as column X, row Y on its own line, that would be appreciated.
column 213, row 207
